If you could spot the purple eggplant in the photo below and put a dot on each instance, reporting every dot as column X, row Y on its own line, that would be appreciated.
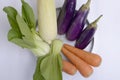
column 65, row 16
column 79, row 22
column 87, row 35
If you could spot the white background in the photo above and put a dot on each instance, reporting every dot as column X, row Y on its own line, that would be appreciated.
column 19, row 64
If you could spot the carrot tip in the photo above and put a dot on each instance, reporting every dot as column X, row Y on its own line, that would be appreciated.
column 88, row 74
column 98, row 62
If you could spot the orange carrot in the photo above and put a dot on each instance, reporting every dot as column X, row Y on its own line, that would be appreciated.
column 84, row 68
column 90, row 58
column 68, row 67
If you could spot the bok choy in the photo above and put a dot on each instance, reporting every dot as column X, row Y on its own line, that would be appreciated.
column 49, row 67
column 24, row 34
column 23, row 30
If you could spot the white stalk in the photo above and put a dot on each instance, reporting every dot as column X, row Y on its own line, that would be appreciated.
column 47, row 20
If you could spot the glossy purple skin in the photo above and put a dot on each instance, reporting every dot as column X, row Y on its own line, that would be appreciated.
column 65, row 16
column 77, row 25
column 85, row 38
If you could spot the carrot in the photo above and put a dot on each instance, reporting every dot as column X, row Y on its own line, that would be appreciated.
column 68, row 67
column 84, row 68
column 90, row 58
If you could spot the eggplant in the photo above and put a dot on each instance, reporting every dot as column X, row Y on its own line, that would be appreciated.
column 65, row 16
column 79, row 22
column 87, row 35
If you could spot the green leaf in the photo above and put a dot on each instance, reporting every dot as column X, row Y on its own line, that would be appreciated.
column 48, row 68
column 10, row 11
column 29, row 40
column 37, row 75
column 28, row 15
column 25, row 30
column 13, row 34
column 51, row 67
column 11, row 14
column 21, row 43
column 56, row 46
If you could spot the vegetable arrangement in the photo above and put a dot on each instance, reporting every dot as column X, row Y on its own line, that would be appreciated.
column 74, row 29
column 23, row 31
column 43, row 43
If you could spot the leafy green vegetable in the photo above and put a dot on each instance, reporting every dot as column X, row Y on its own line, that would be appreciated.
column 28, row 15
column 11, row 14
column 23, row 32
column 13, row 34
column 37, row 75
column 54, row 68
column 49, row 67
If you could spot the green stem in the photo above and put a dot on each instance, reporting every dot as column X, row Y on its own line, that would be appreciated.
column 95, row 22
column 86, row 5
column 56, row 46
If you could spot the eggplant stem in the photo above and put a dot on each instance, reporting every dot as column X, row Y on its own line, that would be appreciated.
column 95, row 22
column 88, row 3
